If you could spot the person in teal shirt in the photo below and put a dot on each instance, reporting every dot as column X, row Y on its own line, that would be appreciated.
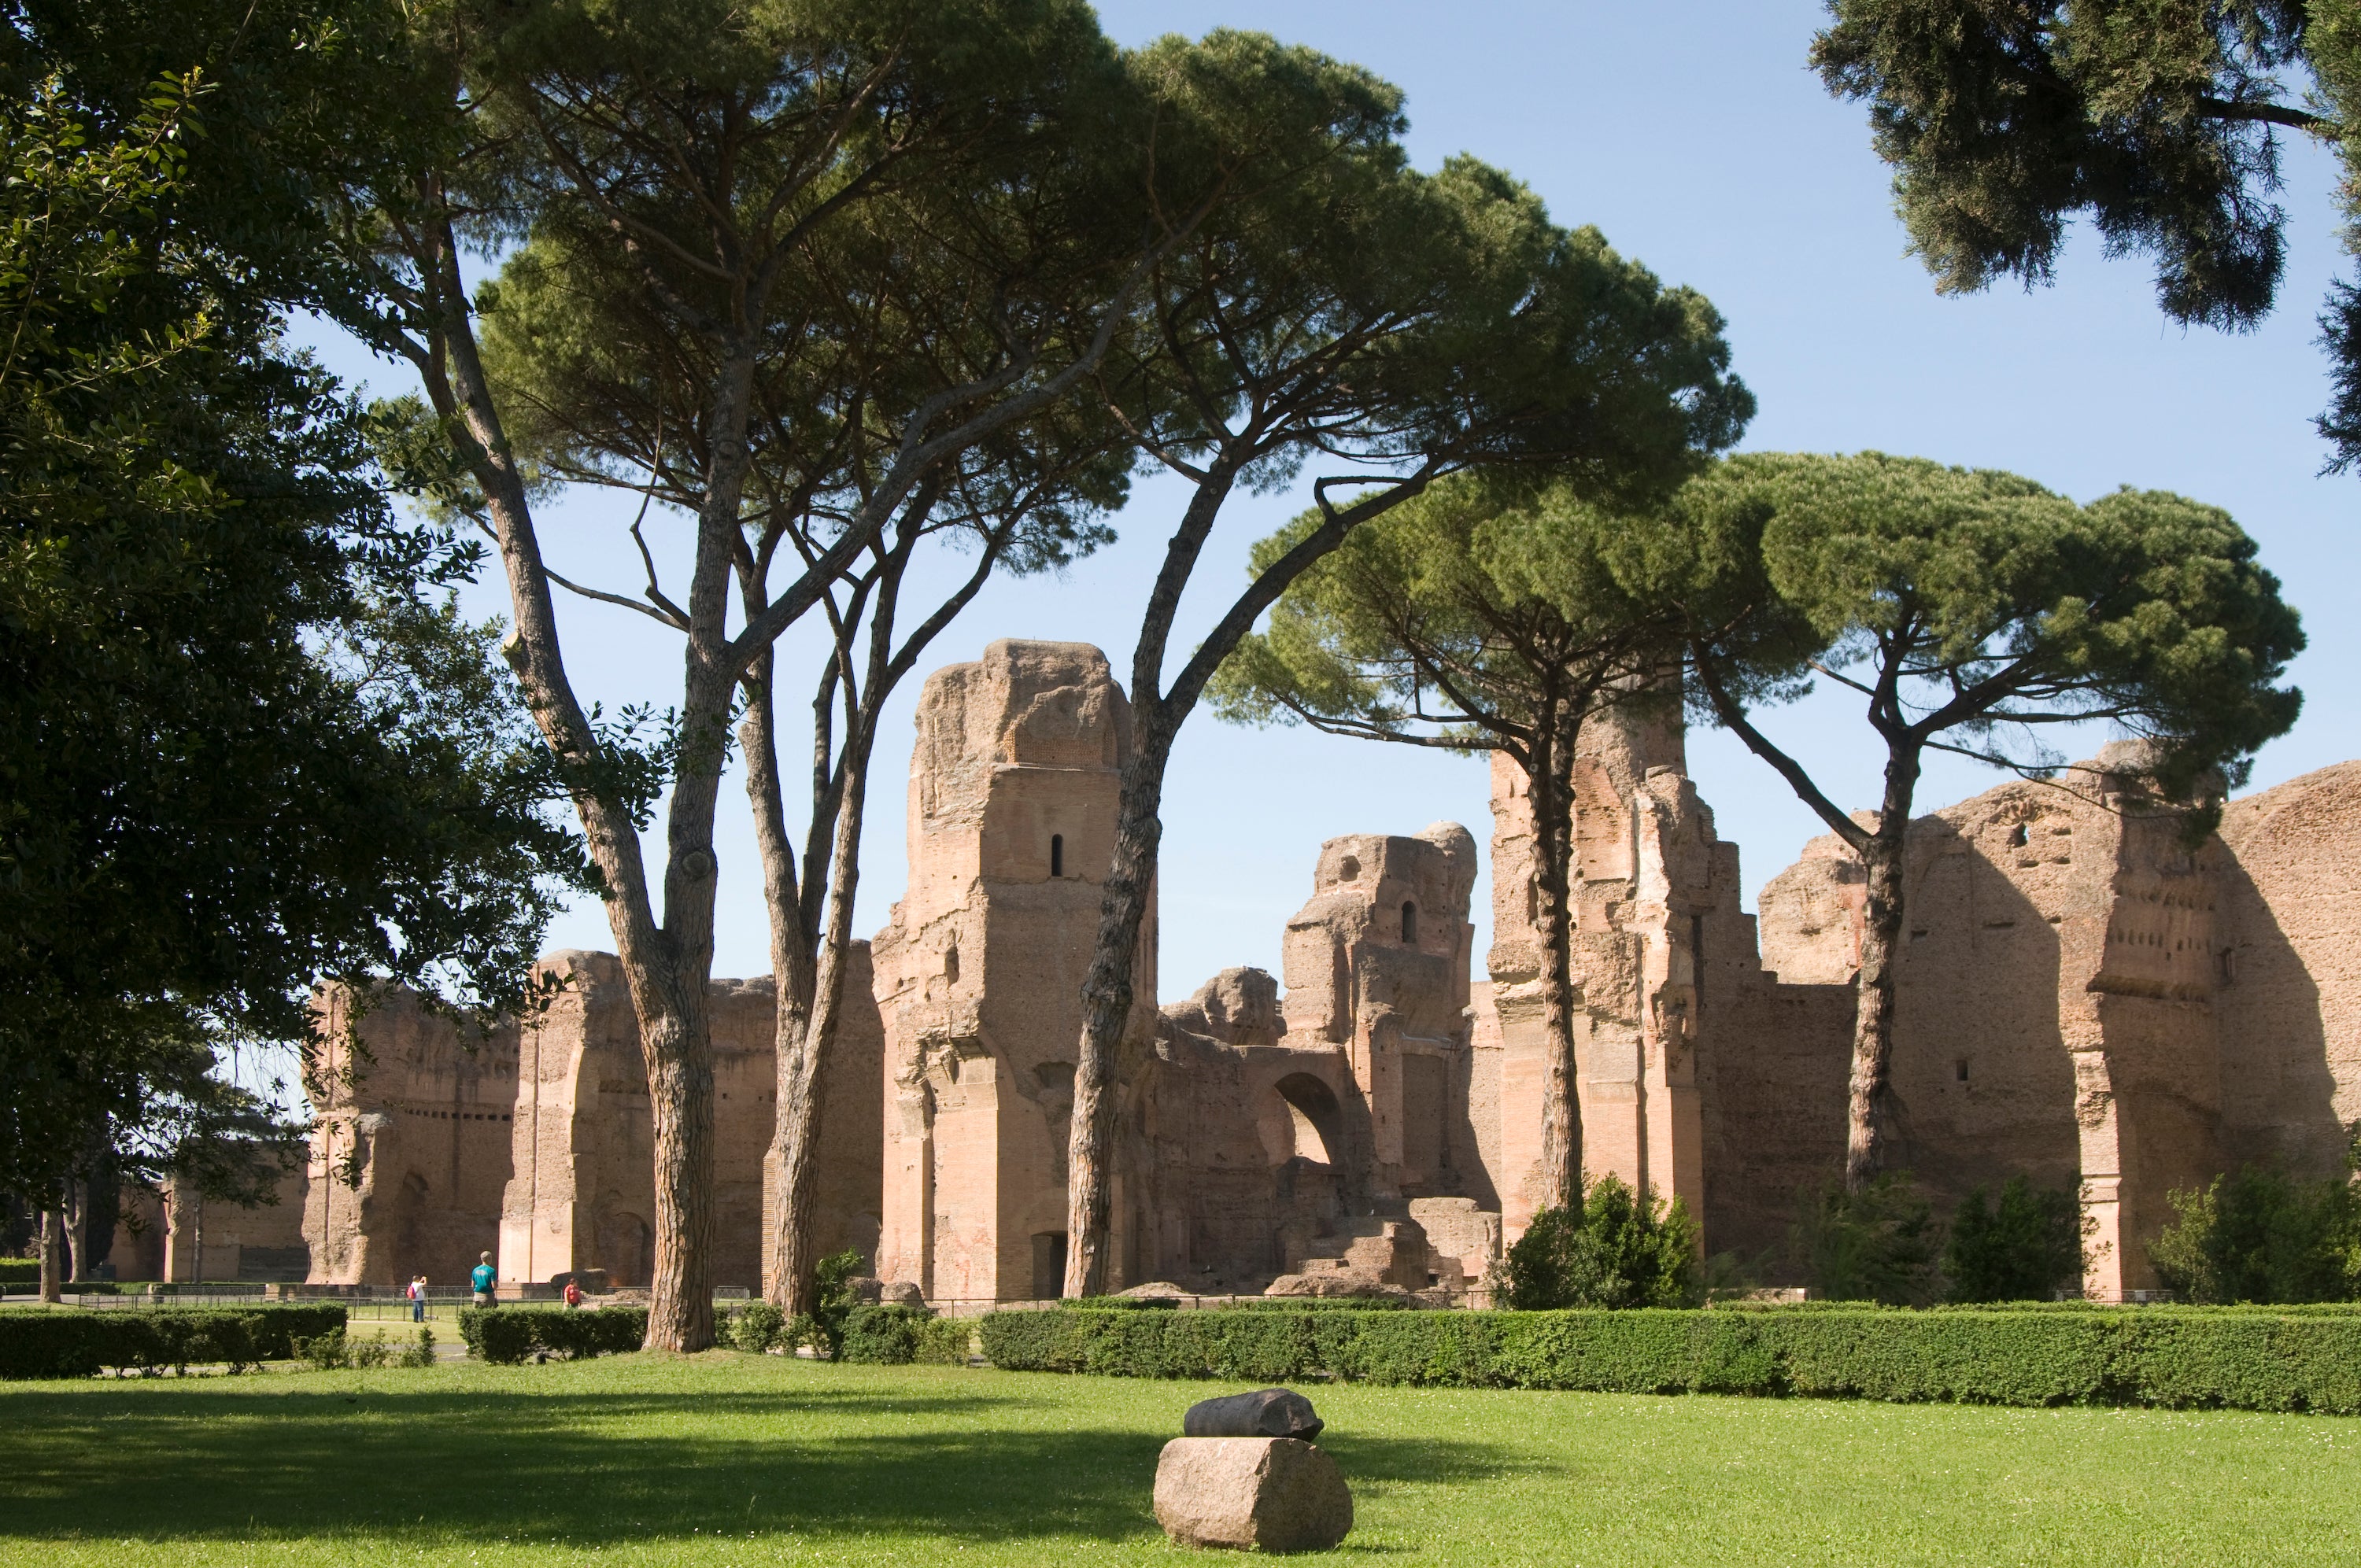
column 483, row 1276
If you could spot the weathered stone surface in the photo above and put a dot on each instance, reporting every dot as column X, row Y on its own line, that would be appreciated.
column 2086, row 999
column 1014, row 782
column 583, row 1191
column 1266, row 1413
column 901, row 1293
column 1334, row 1282
column 1276, row 1494
column 535, row 1142
column 866, row 1289
column 425, row 1124
column 1237, row 1007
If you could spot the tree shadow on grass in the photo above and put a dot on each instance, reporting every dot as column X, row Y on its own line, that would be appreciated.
column 597, row 1468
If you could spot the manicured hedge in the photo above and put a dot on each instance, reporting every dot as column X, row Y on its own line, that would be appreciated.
column 2257, row 1359
column 20, row 1271
column 64, row 1343
column 895, row 1336
column 504, row 1336
column 1271, row 1304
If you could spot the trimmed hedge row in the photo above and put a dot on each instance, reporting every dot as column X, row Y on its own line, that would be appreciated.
column 2255, row 1360
column 65, row 1343
column 1272, row 1304
column 897, row 1336
column 505, row 1335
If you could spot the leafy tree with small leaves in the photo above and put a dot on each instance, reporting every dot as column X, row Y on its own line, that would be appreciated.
column 1611, row 1247
column 245, row 748
column 2261, row 1234
column 2023, row 1244
column 1878, row 1241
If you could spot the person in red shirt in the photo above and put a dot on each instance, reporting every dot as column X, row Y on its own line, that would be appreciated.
column 574, row 1292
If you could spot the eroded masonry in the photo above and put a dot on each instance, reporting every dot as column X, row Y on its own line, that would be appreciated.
column 2086, row 998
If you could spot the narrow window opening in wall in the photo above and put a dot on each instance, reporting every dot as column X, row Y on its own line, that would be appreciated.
column 1409, row 922
column 1057, row 854
column 1532, row 901
column 1920, row 932
column 2017, row 837
column 2225, row 963
column 1959, row 1069
column 951, row 964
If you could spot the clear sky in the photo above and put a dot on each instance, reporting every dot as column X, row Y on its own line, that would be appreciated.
column 1693, row 134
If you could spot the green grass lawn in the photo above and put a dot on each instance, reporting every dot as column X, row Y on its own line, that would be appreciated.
column 733, row 1459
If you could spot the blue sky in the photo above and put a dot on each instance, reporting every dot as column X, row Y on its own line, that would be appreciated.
column 1694, row 137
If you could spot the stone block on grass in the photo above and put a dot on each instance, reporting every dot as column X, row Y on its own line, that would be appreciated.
column 1251, row 1493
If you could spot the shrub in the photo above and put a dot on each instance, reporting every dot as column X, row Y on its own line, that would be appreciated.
column 1877, row 1245
column 333, row 1351
column 2262, row 1235
column 506, row 1335
column 757, row 1327
column 881, row 1336
column 1617, row 1248
column 63, row 1343
column 2072, row 1353
column 422, row 1354
column 945, row 1341
column 2024, row 1248
column 823, row 1327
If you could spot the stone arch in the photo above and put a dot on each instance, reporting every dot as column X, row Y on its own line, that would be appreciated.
column 1319, row 1123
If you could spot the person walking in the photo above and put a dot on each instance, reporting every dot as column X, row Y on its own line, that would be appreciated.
column 482, row 1278
column 418, row 1298
column 573, row 1293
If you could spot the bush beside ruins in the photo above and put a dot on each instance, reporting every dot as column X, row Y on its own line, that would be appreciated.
column 506, row 1335
column 67, row 1344
column 2259, row 1359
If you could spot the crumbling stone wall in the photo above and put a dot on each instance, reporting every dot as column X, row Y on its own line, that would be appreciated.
column 583, row 1196
column 411, row 1144
column 2288, row 997
column 1308, row 1155
column 2090, row 1000
column 2087, row 998
column 1013, row 785
column 1652, row 887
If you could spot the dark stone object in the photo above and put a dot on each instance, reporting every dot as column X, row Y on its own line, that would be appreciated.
column 1266, row 1413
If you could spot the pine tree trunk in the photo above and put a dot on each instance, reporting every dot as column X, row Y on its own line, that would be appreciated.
column 1550, row 797
column 1868, row 1105
column 790, row 961
column 1107, row 995
column 679, row 1059
column 666, row 966
column 802, row 1080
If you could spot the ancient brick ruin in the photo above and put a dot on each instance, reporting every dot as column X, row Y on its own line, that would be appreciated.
column 2086, row 998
